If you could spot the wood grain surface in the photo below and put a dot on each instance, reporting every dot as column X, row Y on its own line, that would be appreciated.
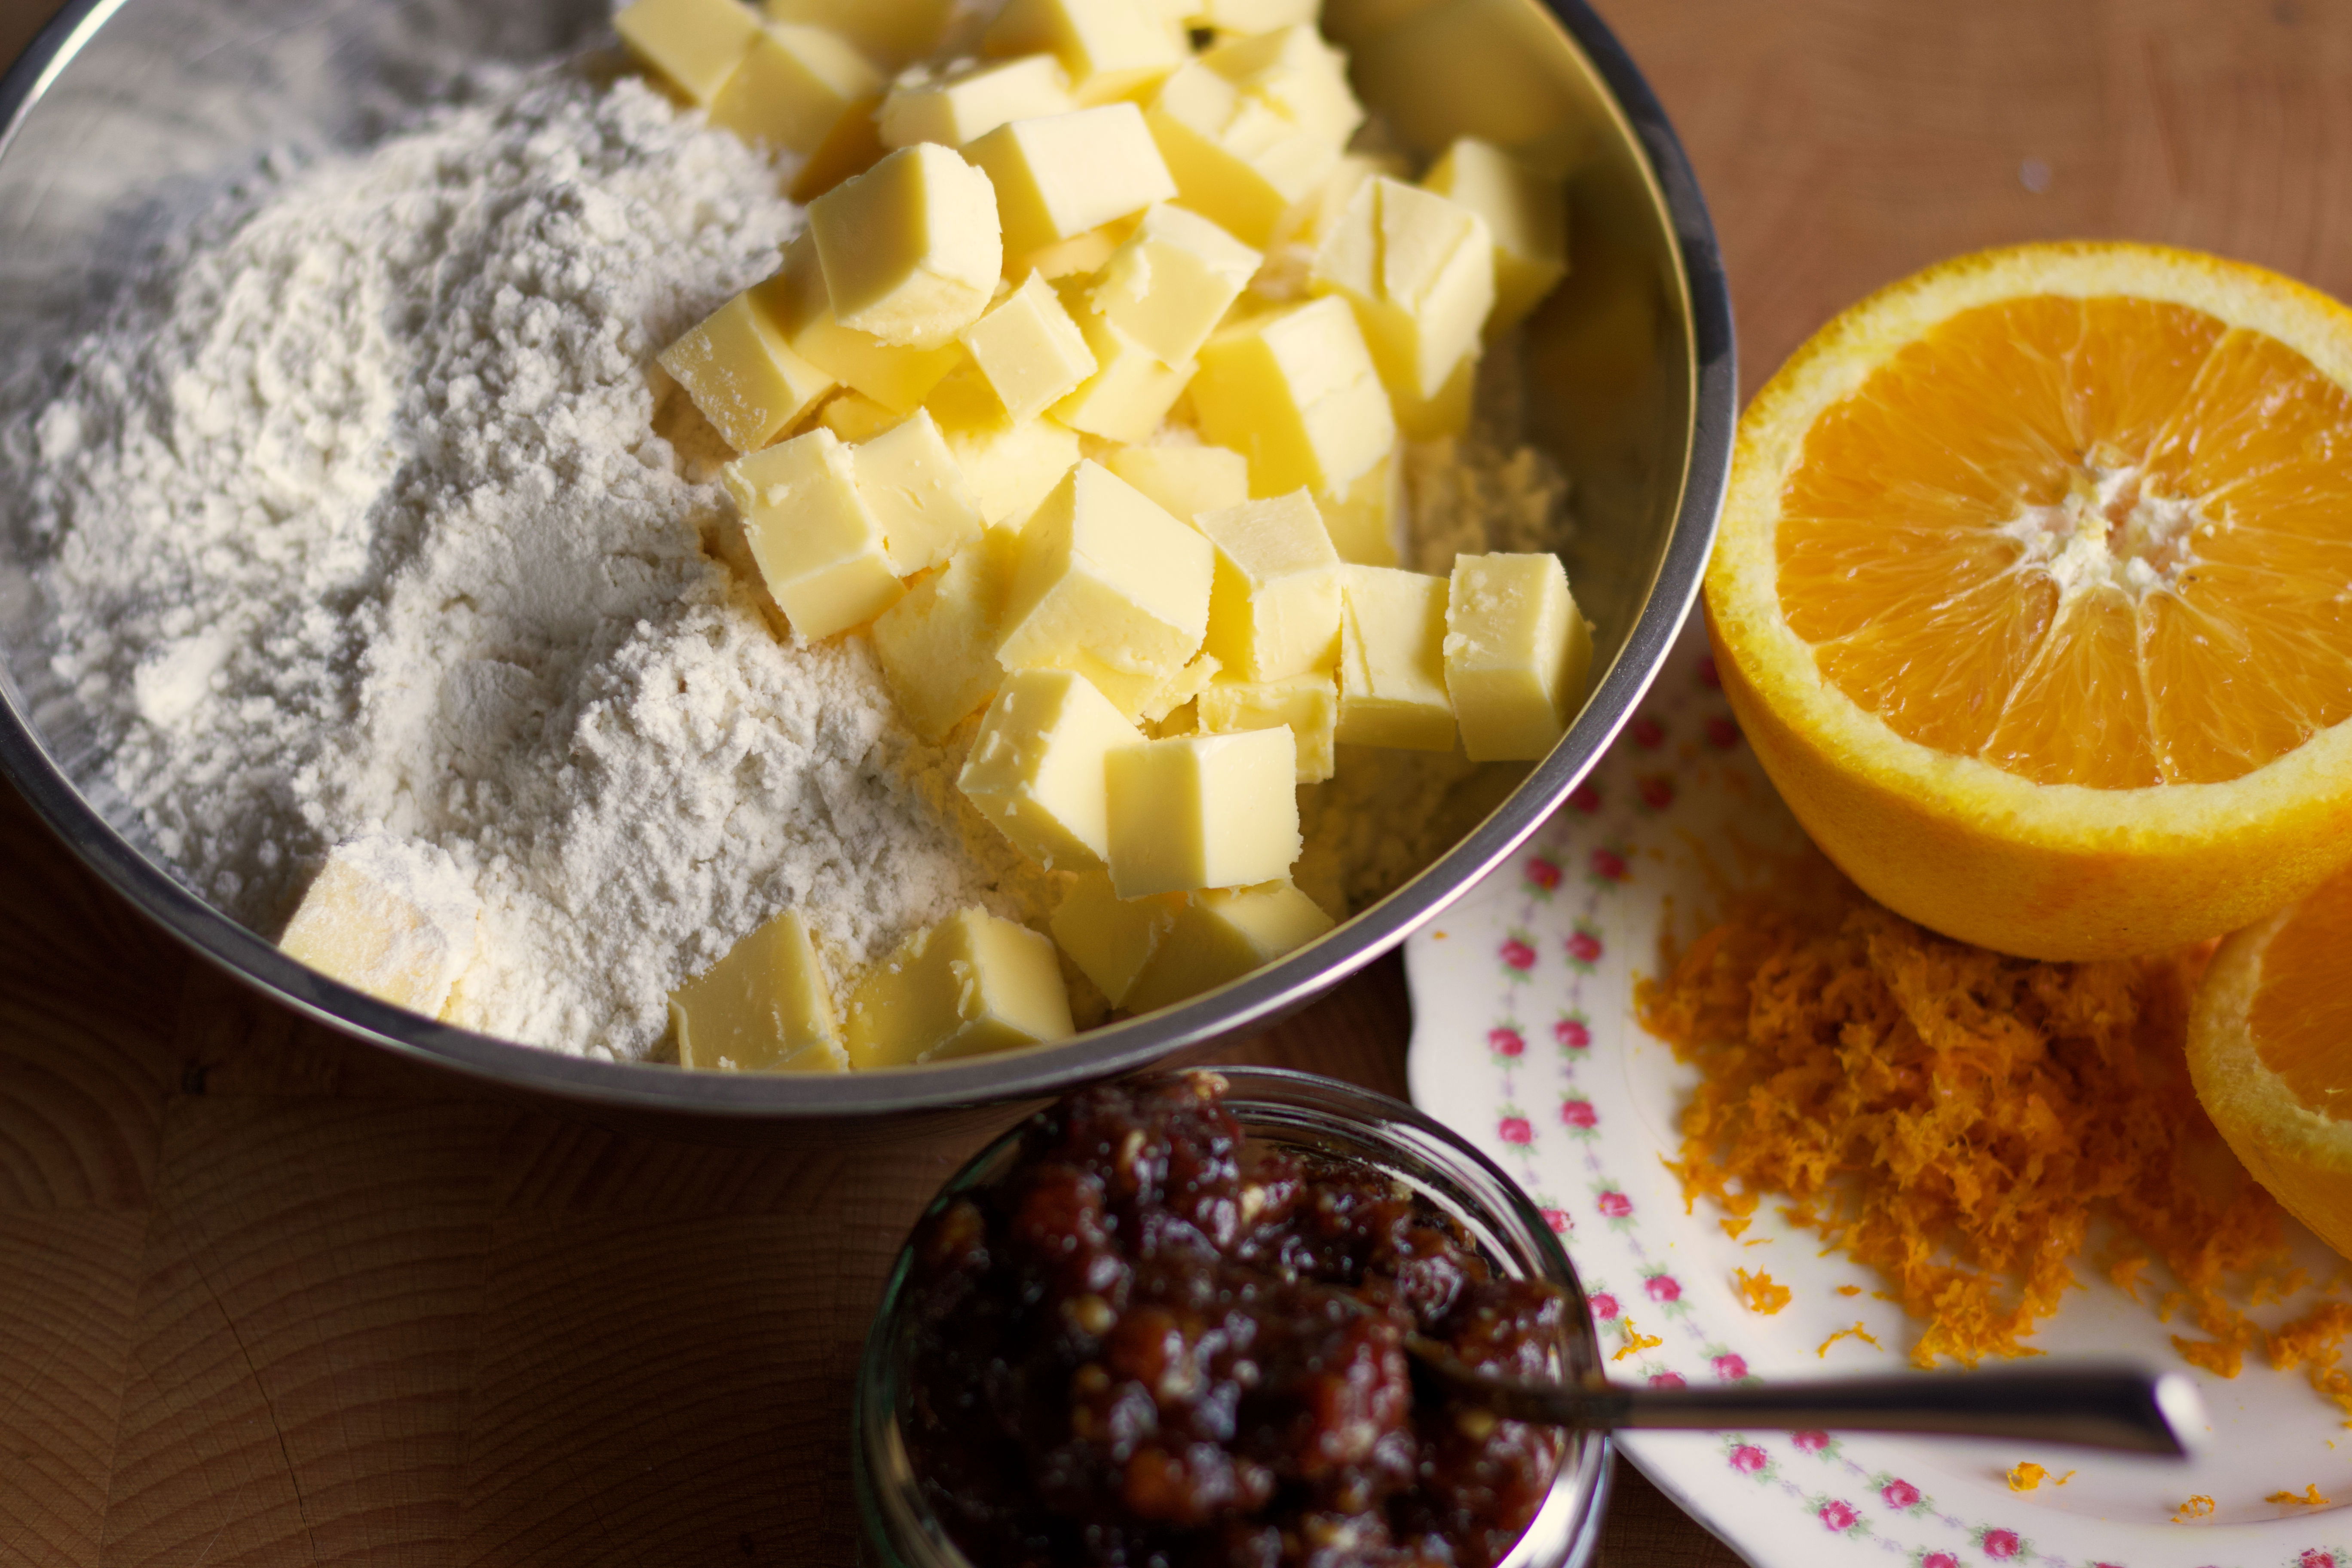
column 266, row 1297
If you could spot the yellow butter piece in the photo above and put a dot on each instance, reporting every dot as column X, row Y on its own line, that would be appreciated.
column 1108, row 585
column 764, row 1007
column 1448, row 413
column 1251, row 16
column 1111, row 939
column 1203, row 811
column 1172, row 282
column 388, row 917
column 1184, row 481
column 1392, row 661
column 818, row 546
column 966, row 103
column 1419, row 272
column 1178, row 691
column 1220, row 936
column 888, row 32
column 855, row 418
column 1362, row 519
column 1311, row 219
column 1275, row 608
column 1517, row 651
column 1031, row 352
column 916, row 490
column 1010, row 464
column 1308, row 704
column 910, row 248
column 1132, row 388
column 1295, row 392
column 793, row 87
column 741, row 372
column 1058, row 177
column 1087, row 252
column 797, row 299
column 970, row 985
column 1526, row 213
column 697, row 44
column 1037, row 766
column 937, row 645
column 1254, row 126
column 1111, row 47
column 853, row 146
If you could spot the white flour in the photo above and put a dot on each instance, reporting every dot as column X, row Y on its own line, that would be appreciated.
column 358, row 523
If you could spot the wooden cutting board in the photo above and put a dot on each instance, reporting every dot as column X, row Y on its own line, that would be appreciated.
column 270, row 1298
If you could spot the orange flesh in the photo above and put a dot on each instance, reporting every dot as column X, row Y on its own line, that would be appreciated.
column 2191, row 480
column 2302, row 1013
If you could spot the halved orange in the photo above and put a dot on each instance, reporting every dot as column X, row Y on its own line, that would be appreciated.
column 2034, row 596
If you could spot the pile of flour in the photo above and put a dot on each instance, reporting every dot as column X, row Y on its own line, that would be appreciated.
column 356, row 523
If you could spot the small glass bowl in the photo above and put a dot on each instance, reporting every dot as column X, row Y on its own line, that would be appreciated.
column 1298, row 1111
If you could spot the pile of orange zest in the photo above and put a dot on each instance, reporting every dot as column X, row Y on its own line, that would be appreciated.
column 2316, row 1342
column 2308, row 1497
column 1763, row 1294
column 1635, row 1342
column 1849, row 1289
column 1733, row 1227
column 2196, row 1507
column 2024, row 1476
column 1855, row 1332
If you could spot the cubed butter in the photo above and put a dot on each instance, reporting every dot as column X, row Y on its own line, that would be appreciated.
column 794, row 86
column 1251, row 16
column 1032, row 353
column 970, row 985
column 1172, row 282
column 1526, row 213
column 1220, row 936
column 1108, row 585
column 1254, row 126
column 388, row 917
column 819, row 546
column 1309, row 703
column 1132, row 388
column 964, row 104
column 910, row 248
column 1037, row 766
column 916, row 490
column 1517, row 651
column 853, row 146
column 1295, row 392
column 797, row 299
column 1448, row 413
column 937, row 645
column 1392, row 661
column 1087, row 252
column 740, row 371
column 1111, row 47
column 697, row 44
column 890, row 33
column 855, row 417
column 1062, row 174
column 764, row 1007
column 1309, row 221
column 1111, row 939
column 1362, row 519
column 1010, row 464
column 1203, row 811
column 1178, row 691
column 1184, row 481
column 1275, row 608
column 1419, row 271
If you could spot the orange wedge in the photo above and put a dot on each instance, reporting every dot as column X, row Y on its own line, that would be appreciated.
column 2034, row 596
column 2270, row 1050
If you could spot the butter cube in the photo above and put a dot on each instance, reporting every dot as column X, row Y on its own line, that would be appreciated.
column 740, row 371
column 937, row 645
column 1172, row 282
column 1037, row 766
column 889, row 31
column 1060, row 175
column 1222, row 935
column 916, row 492
column 965, row 104
column 1254, row 126
column 388, row 917
column 1111, row 939
column 1111, row 47
column 1362, row 519
column 970, row 985
column 1179, row 692
column 1108, row 585
column 764, row 1007
column 855, row 417
column 1275, row 608
column 1516, row 655
column 1448, row 413
column 1295, row 392
column 1308, row 704
column 1031, row 352
column 1132, row 388
column 818, row 544
column 909, row 249
column 1010, row 464
column 794, row 86
column 797, row 299
column 853, row 146
column 1309, row 221
column 1087, row 252
column 1251, row 16
column 1203, row 811
column 1392, row 661
column 697, row 44
column 1526, row 214
column 1184, row 481
column 1419, row 272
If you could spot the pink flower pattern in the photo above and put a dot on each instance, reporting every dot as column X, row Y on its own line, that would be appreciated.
column 1663, row 1288
column 1730, row 1366
column 1573, row 1033
column 1507, row 1042
column 1578, row 1113
column 1583, row 946
column 1899, row 1494
column 1514, row 1130
column 1667, row 1380
column 1518, row 955
column 1811, row 1442
column 1543, row 873
column 1939, row 1560
column 1616, row 1205
column 1839, row 1516
column 1748, row 1459
column 1657, row 791
column 2001, row 1543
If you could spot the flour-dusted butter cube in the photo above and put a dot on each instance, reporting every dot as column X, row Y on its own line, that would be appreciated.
column 740, row 371
column 1111, row 939
column 899, row 377
column 1032, row 353
column 1037, row 766
column 1010, row 464
column 855, row 417
column 1275, row 608
column 1184, row 481
column 1172, row 282
column 910, row 248
column 1295, row 392
column 1308, row 704
column 1419, row 271
column 1517, row 651
column 1526, row 213
column 764, row 1007
column 888, row 32
column 1132, row 388
column 1203, row 811
column 1220, row 936
column 697, row 44
column 794, row 86
column 818, row 546
column 1111, row 47
column 916, row 490
column 937, row 645
column 1392, row 661
column 1254, row 126
column 965, row 103
column 1108, row 585
column 1362, row 519
column 1060, row 175
column 390, row 918
column 970, row 985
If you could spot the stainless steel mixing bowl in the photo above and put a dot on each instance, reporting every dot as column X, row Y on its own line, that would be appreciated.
column 128, row 114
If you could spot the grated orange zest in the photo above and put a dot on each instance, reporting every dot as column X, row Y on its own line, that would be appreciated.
column 1855, row 1332
column 1762, row 1293
column 2198, row 1506
column 1635, row 1342
column 2308, row 1497
column 2024, row 1476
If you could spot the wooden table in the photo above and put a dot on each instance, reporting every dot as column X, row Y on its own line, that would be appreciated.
column 269, row 1298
